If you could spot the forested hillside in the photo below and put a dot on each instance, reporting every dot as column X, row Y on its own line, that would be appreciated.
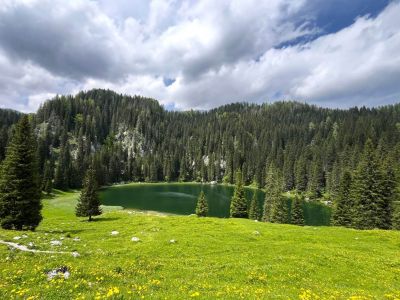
column 136, row 139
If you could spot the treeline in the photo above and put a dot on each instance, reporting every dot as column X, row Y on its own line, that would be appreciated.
column 136, row 139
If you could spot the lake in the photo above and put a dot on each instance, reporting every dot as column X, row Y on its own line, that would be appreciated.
column 181, row 198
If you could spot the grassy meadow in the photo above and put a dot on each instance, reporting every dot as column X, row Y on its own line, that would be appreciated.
column 211, row 258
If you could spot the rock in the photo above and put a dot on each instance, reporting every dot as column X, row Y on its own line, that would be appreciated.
column 75, row 254
column 76, row 239
column 62, row 272
column 172, row 241
column 114, row 232
column 55, row 243
column 24, row 236
column 31, row 245
column 135, row 239
column 17, row 237
column 256, row 232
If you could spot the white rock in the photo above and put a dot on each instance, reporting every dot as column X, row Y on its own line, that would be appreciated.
column 172, row 241
column 76, row 239
column 31, row 245
column 62, row 272
column 75, row 254
column 24, row 236
column 61, row 238
column 256, row 232
column 17, row 237
column 135, row 239
column 114, row 232
column 55, row 243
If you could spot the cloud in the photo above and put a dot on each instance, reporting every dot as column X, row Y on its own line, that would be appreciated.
column 195, row 54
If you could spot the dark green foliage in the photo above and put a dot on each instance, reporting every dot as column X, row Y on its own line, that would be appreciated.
column 297, row 212
column 275, row 205
column 372, row 206
column 279, row 210
column 266, row 215
column 89, row 204
column 136, row 139
column 20, row 191
column 396, row 216
column 343, row 208
column 239, row 202
column 202, row 205
column 254, row 210
column 47, row 183
column 301, row 175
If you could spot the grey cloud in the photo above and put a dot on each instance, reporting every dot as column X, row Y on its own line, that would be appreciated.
column 218, row 52
column 67, row 41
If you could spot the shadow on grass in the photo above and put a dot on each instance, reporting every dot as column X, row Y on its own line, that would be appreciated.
column 101, row 219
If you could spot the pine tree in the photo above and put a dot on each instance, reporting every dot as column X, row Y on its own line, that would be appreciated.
column 301, row 174
column 254, row 211
column 63, row 174
column 202, row 205
column 20, row 192
column 239, row 202
column 297, row 217
column 88, row 204
column 266, row 216
column 388, row 194
column 368, row 192
column 396, row 217
column 343, row 203
column 47, row 184
column 275, row 205
column 279, row 210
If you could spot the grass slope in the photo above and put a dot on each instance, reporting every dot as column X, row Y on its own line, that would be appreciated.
column 212, row 258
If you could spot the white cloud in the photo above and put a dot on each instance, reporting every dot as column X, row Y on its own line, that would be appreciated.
column 218, row 52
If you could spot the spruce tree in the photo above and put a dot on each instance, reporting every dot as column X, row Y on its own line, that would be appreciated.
column 343, row 203
column 266, row 215
column 254, row 211
column 239, row 202
column 88, row 204
column 20, row 192
column 47, row 184
column 297, row 216
column 368, row 192
column 279, row 210
column 396, row 216
column 202, row 205
column 275, row 205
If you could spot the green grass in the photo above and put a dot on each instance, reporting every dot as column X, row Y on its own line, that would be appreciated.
column 212, row 258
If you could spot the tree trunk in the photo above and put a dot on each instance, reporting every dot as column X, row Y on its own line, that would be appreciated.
column 90, row 218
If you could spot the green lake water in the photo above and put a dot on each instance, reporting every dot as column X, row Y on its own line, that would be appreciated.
column 181, row 198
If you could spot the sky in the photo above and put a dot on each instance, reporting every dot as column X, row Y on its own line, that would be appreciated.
column 202, row 54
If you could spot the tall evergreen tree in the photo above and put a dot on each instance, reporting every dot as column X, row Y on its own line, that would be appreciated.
column 368, row 192
column 275, row 205
column 239, row 202
column 202, row 205
column 254, row 211
column 20, row 192
column 89, row 204
column 297, row 213
column 47, row 184
column 343, row 208
column 279, row 210
column 301, row 174
column 396, row 217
